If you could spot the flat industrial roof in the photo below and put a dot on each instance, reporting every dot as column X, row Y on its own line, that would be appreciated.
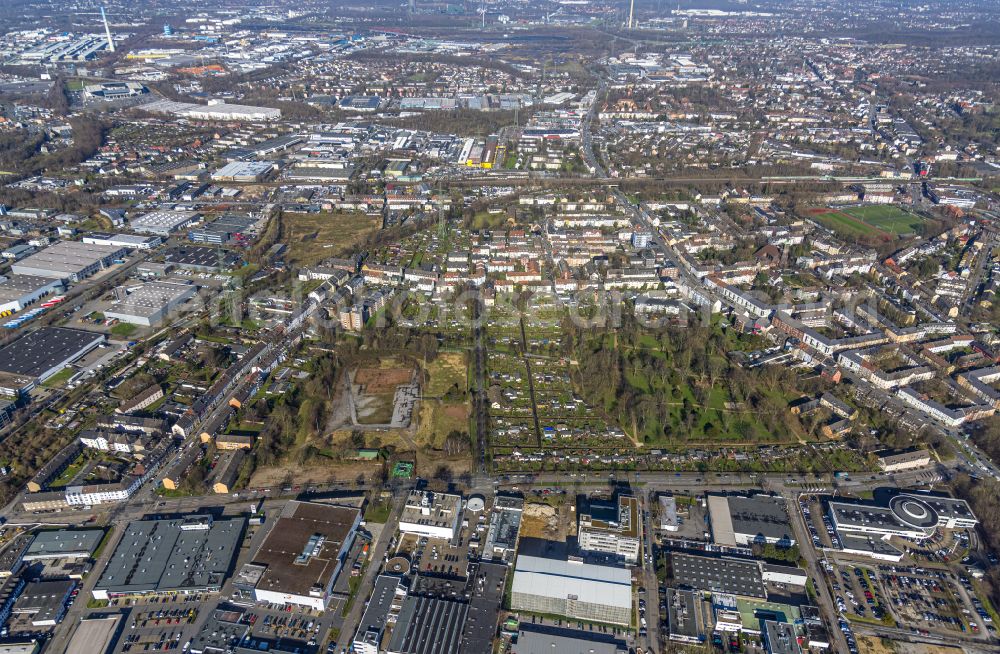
column 905, row 512
column 505, row 524
column 441, row 509
column 167, row 555
column 38, row 352
column 684, row 613
column 555, row 578
column 243, row 169
column 288, row 540
column 201, row 256
column 485, row 585
column 162, row 220
column 17, row 286
column 873, row 545
column 229, row 224
column 752, row 611
column 152, row 297
column 718, row 574
column 95, row 635
column 64, row 543
column 781, row 638
column 429, row 625
column 133, row 240
column 546, row 639
column 754, row 516
column 379, row 604
column 620, row 517
column 66, row 258
column 946, row 507
column 668, row 512
column 856, row 515
column 44, row 600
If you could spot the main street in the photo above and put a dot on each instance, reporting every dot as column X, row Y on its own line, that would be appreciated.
column 816, row 573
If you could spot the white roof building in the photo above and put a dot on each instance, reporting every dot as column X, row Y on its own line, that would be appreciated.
column 162, row 223
column 572, row 588
column 434, row 515
column 148, row 304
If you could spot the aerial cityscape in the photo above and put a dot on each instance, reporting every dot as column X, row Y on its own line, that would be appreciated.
column 500, row 327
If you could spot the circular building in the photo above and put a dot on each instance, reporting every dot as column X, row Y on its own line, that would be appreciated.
column 476, row 504
column 914, row 513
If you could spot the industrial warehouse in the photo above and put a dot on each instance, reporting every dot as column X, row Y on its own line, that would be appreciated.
column 224, row 229
column 202, row 259
column 744, row 520
column 131, row 241
column 148, row 304
column 243, row 171
column 428, row 625
column 546, row 639
column 214, row 110
column 44, row 352
column 303, row 554
column 70, row 260
column 718, row 574
column 63, row 544
column 163, row 223
column 573, row 589
column 183, row 555
column 19, row 291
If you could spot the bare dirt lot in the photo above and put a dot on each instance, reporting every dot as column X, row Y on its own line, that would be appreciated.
column 376, row 381
column 547, row 522
column 871, row 645
column 382, row 395
column 291, row 474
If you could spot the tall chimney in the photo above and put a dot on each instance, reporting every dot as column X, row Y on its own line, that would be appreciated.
column 107, row 30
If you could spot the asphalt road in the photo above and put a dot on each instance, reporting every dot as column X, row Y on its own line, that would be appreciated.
column 367, row 585
column 812, row 558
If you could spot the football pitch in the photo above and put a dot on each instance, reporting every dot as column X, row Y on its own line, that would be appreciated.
column 887, row 218
column 869, row 221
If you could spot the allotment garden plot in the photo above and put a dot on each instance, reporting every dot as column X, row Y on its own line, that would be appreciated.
column 535, row 414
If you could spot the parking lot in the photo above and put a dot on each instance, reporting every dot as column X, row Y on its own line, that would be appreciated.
column 821, row 530
column 852, row 643
column 931, row 600
column 159, row 623
column 288, row 623
column 942, row 547
column 151, row 629
column 436, row 555
column 692, row 519
column 857, row 594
